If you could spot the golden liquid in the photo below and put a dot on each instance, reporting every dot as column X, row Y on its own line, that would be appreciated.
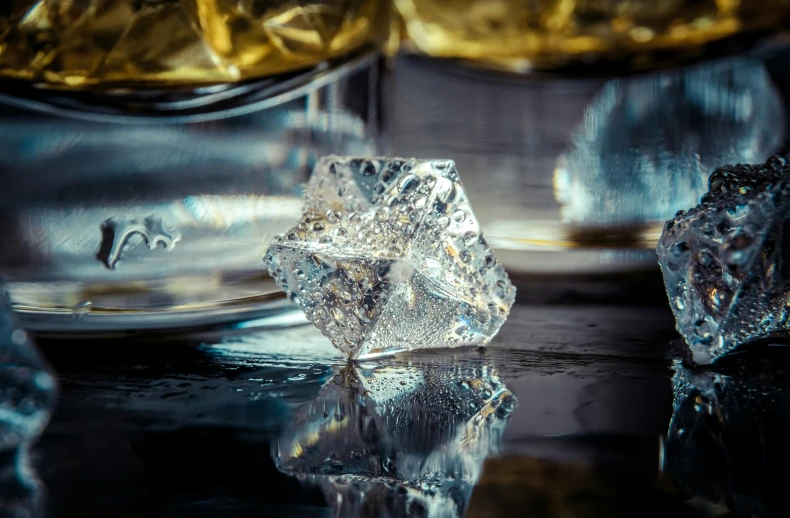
column 77, row 43
column 523, row 34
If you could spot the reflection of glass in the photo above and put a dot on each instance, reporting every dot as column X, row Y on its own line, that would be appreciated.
column 727, row 441
column 394, row 439
column 154, row 210
column 647, row 145
column 518, row 35
column 72, row 43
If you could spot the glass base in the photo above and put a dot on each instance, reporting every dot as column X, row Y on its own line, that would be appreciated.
column 193, row 302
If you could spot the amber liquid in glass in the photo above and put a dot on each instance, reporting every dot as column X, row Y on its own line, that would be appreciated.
column 78, row 43
column 523, row 34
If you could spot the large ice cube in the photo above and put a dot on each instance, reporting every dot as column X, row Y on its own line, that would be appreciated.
column 388, row 256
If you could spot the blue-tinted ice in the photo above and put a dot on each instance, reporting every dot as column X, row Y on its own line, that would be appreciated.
column 648, row 144
column 27, row 392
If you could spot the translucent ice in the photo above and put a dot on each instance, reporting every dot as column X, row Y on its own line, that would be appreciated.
column 398, row 439
column 648, row 143
column 726, row 262
column 27, row 392
column 388, row 256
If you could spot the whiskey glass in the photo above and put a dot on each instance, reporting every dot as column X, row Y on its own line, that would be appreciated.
column 583, row 126
column 149, row 151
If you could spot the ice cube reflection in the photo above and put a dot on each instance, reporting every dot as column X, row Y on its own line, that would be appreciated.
column 398, row 438
column 648, row 144
column 727, row 441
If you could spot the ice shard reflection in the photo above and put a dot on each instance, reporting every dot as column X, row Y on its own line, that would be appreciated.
column 727, row 441
column 27, row 393
column 648, row 144
column 400, row 438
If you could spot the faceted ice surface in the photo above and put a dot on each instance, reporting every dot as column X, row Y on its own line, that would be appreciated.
column 726, row 262
column 398, row 437
column 648, row 144
column 388, row 256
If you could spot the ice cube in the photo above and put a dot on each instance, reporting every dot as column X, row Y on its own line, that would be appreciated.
column 388, row 256
column 726, row 262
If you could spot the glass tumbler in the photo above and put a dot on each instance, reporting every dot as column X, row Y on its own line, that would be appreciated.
column 581, row 127
column 149, row 151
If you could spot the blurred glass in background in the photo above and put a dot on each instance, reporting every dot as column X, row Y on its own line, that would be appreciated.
column 151, row 150
column 602, row 120
column 647, row 145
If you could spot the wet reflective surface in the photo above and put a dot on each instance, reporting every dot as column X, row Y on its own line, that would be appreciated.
column 726, row 442
column 578, row 408
column 398, row 437
column 582, row 407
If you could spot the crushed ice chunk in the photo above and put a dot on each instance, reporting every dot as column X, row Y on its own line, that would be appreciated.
column 726, row 262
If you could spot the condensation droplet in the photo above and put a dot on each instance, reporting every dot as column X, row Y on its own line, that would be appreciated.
column 470, row 238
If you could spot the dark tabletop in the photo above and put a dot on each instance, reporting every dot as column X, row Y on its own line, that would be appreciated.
column 187, row 427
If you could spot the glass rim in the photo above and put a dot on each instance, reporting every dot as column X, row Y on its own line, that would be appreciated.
column 179, row 105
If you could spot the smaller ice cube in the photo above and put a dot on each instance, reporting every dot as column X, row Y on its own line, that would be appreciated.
column 726, row 262
column 27, row 393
